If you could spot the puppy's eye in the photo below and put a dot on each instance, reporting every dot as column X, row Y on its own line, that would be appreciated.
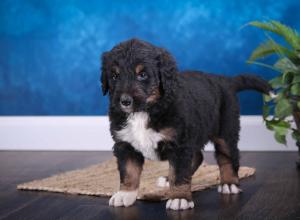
column 115, row 76
column 142, row 76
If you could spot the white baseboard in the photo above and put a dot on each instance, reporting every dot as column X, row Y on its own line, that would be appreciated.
column 91, row 133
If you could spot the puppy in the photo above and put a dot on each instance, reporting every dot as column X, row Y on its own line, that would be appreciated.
column 158, row 113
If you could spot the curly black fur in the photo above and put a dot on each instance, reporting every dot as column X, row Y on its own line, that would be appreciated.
column 198, row 107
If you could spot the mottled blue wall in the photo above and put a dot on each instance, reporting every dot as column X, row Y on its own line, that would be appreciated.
column 50, row 49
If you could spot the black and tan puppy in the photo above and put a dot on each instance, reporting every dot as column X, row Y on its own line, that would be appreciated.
column 158, row 113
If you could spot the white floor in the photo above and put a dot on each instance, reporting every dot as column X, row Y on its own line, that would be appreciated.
column 92, row 133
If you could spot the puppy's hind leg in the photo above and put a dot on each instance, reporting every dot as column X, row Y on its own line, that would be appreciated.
column 227, row 153
column 197, row 161
column 180, row 196
column 228, row 164
column 163, row 181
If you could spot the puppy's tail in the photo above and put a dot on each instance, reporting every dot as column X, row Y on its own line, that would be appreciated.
column 251, row 82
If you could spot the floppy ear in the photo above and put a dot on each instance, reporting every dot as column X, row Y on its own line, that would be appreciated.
column 104, row 79
column 167, row 72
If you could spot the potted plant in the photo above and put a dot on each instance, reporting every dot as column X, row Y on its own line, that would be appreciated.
column 281, row 112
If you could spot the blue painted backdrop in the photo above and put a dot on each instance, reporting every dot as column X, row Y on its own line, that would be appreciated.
column 50, row 49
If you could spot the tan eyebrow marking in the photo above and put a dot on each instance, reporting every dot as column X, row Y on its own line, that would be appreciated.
column 139, row 68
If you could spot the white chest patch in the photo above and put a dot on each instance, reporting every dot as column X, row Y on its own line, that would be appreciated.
column 139, row 136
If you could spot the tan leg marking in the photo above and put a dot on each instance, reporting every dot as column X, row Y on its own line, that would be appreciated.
column 179, row 191
column 132, row 176
column 180, row 196
column 226, row 172
column 128, row 192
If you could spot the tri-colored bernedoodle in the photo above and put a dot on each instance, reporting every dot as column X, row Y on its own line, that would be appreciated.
column 158, row 113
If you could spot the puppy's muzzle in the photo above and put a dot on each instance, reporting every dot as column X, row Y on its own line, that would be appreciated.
column 126, row 101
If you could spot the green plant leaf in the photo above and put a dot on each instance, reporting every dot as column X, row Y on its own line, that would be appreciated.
column 296, row 79
column 268, row 48
column 296, row 135
column 281, row 94
column 280, row 127
column 281, row 130
column 290, row 35
column 287, row 77
column 267, row 98
column 298, row 105
column 285, row 65
column 280, row 138
column 282, row 51
column 282, row 124
column 276, row 82
column 295, row 89
column 276, row 124
column 269, row 124
column 262, row 25
column 266, row 111
column 283, row 108
column 263, row 65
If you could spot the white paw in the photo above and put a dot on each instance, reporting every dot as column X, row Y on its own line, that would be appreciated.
column 162, row 182
column 179, row 204
column 229, row 189
column 123, row 198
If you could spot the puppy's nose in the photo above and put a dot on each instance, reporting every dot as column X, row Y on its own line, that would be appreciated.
column 126, row 100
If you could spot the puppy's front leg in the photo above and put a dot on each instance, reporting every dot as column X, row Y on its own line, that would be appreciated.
column 130, row 164
column 180, row 196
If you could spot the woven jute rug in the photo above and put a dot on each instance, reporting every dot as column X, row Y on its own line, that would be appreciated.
column 103, row 180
